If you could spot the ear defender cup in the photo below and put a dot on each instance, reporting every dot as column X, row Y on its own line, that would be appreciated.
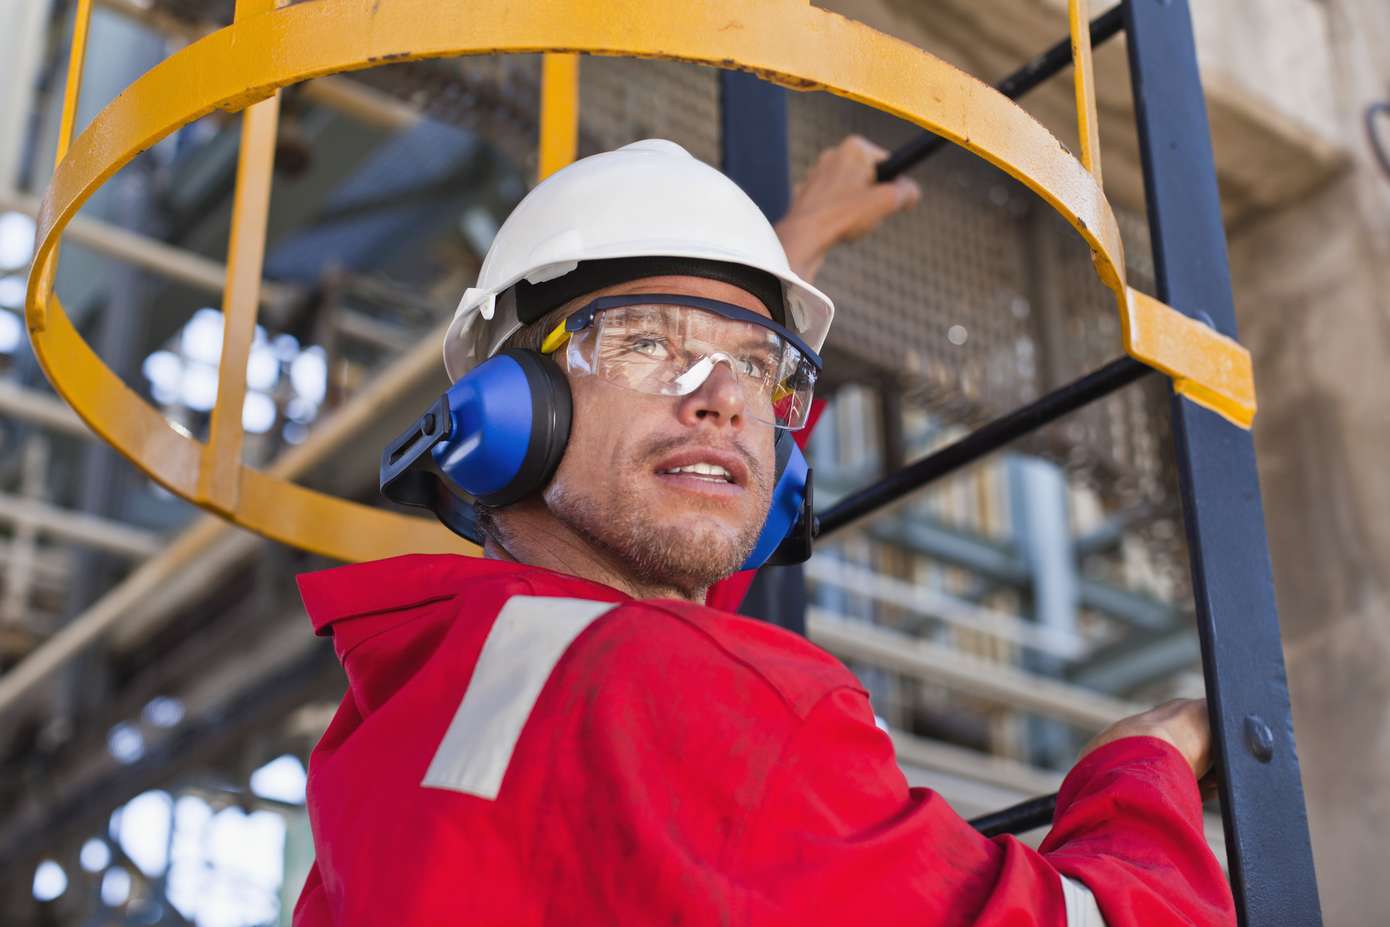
column 788, row 497
column 510, row 422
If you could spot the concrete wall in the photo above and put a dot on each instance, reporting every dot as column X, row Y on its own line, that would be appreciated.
column 1312, row 283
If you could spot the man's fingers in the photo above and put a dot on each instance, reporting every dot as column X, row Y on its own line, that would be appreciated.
column 875, row 153
column 1181, row 722
column 909, row 192
column 895, row 195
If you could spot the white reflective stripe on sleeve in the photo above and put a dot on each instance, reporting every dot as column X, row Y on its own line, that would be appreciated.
column 528, row 638
column 1082, row 910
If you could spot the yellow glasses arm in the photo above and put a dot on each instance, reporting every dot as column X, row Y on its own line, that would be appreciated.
column 557, row 337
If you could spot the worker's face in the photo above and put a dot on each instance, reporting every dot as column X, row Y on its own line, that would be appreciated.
column 614, row 486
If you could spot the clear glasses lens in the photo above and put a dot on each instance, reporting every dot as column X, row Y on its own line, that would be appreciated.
column 667, row 350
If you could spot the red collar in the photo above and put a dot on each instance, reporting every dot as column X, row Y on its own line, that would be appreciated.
column 400, row 582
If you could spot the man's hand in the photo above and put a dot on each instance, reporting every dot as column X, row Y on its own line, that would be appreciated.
column 838, row 200
column 1181, row 722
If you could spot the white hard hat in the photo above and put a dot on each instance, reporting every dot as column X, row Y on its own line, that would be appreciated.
column 647, row 199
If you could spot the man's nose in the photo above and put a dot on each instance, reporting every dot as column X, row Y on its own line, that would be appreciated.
column 717, row 401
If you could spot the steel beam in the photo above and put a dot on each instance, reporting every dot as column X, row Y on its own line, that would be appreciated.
column 87, row 797
column 753, row 140
column 1137, row 662
column 1271, row 861
column 998, row 564
column 937, row 605
column 42, row 409
column 966, row 673
column 181, row 569
column 81, row 528
column 21, row 55
column 168, row 261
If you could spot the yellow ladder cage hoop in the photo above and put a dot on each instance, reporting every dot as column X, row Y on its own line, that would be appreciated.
column 787, row 42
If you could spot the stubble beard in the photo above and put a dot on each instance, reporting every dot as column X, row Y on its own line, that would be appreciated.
column 655, row 550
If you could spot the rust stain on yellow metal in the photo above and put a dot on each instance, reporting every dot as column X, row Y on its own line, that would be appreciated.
column 1084, row 74
column 559, row 112
column 1206, row 366
column 788, row 42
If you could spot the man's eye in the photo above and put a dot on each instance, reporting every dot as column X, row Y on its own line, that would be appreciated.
column 647, row 347
column 755, row 366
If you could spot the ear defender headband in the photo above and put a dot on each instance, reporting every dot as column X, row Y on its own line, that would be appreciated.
column 499, row 434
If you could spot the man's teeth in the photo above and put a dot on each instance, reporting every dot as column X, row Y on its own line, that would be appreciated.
column 709, row 471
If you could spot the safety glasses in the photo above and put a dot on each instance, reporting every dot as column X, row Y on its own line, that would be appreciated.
column 671, row 344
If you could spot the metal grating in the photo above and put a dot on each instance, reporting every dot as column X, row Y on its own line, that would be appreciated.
column 938, row 298
column 626, row 99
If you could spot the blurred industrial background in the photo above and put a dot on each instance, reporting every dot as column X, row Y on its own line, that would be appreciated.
column 999, row 618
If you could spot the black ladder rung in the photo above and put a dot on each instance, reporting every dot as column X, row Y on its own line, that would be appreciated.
column 1103, row 27
column 1019, row 818
column 981, row 441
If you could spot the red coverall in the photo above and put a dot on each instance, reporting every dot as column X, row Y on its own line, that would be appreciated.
column 519, row 746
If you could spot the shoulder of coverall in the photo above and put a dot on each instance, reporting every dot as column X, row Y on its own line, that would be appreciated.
column 392, row 591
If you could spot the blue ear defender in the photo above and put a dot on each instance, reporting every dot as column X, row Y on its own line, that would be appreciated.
column 509, row 424
column 499, row 433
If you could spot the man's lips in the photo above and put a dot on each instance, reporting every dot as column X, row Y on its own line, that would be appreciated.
column 732, row 463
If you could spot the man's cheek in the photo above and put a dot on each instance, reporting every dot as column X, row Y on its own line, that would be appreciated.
column 598, row 440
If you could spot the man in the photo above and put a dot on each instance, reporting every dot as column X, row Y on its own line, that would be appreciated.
column 563, row 733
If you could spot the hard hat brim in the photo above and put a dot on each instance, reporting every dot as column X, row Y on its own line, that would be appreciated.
column 473, row 337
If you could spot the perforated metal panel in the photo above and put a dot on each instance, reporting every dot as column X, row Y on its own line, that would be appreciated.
column 625, row 99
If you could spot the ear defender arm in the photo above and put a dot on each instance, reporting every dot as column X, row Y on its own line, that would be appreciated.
column 407, row 477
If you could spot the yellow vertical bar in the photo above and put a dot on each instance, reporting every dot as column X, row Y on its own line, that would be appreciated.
column 1088, row 127
column 559, row 112
column 72, row 91
column 219, row 471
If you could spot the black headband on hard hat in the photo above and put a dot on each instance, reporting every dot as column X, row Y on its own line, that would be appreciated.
column 534, row 300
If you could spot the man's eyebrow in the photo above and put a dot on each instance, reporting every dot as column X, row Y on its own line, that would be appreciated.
column 757, row 342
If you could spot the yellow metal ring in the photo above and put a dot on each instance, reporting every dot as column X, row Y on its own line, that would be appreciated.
column 785, row 41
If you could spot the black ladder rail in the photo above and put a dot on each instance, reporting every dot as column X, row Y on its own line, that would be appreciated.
column 1103, row 28
column 1262, row 807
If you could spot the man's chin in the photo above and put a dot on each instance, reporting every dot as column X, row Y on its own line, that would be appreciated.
column 691, row 554
column 682, row 547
